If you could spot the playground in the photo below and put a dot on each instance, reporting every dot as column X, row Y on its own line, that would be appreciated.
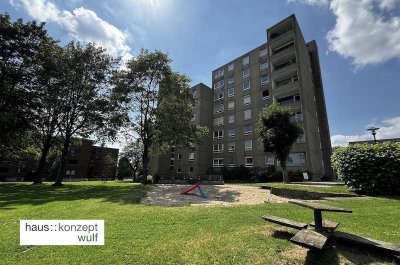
column 228, row 194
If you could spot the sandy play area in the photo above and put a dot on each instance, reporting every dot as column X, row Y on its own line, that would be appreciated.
column 169, row 195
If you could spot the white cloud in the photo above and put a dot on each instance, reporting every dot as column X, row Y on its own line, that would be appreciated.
column 365, row 31
column 82, row 24
column 389, row 128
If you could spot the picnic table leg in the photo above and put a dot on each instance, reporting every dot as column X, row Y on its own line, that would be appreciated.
column 318, row 220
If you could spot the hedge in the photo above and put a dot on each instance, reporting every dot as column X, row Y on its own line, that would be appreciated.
column 372, row 169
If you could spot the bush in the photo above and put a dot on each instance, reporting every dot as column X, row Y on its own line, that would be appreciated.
column 369, row 168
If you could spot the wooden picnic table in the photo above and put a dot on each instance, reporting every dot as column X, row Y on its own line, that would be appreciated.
column 318, row 209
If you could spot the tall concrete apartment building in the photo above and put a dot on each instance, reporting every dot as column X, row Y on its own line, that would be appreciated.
column 284, row 70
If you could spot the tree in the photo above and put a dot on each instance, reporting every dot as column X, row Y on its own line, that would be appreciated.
column 19, row 43
column 133, row 153
column 90, row 106
column 161, row 103
column 125, row 169
column 108, row 167
column 278, row 133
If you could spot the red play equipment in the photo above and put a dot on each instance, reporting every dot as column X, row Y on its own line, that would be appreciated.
column 197, row 186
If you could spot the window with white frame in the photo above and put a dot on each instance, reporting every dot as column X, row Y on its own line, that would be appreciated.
column 248, row 129
column 218, row 162
column 231, row 105
column 218, row 134
column 247, row 114
column 231, row 132
column 246, row 72
column 219, row 109
column 219, row 73
column 231, row 80
column 179, row 156
column 301, row 139
column 265, row 94
column 246, row 60
column 231, row 147
column 246, row 86
column 248, row 161
column 231, row 118
column 269, row 160
column 218, row 148
column 264, row 79
column 263, row 52
column 231, row 161
column 191, row 156
column 218, row 96
column 219, row 121
column 231, row 67
column 263, row 65
column 297, row 159
column 219, row 84
column 231, row 92
column 248, row 145
column 178, row 169
column 246, row 100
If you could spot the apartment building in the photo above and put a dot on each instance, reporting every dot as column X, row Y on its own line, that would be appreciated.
column 284, row 70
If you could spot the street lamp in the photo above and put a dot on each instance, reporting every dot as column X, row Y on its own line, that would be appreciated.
column 373, row 132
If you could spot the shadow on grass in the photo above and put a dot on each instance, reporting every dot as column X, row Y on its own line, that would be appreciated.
column 22, row 194
column 332, row 253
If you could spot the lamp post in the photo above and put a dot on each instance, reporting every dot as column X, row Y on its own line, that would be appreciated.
column 373, row 132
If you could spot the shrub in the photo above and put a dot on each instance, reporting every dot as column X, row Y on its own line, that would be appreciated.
column 369, row 168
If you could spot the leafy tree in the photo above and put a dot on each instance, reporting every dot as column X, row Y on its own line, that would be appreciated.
column 161, row 103
column 133, row 153
column 278, row 133
column 108, row 167
column 19, row 43
column 125, row 169
column 90, row 106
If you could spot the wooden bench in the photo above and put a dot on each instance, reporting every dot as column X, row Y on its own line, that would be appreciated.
column 284, row 222
column 310, row 239
column 328, row 225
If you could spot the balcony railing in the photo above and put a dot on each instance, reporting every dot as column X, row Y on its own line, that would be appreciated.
column 286, row 81
column 284, row 64
column 283, row 47
column 277, row 34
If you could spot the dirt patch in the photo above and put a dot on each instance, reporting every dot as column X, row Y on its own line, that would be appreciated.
column 169, row 195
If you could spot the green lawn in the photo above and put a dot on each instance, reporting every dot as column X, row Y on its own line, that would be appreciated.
column 335, row 188
column 138, row 234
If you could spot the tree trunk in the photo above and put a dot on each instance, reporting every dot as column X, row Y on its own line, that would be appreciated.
column 284, row 172
column 145, row 162
column 42, row 161
column 64, row 157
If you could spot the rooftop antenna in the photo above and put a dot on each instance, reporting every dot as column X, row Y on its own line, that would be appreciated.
column 373, row 132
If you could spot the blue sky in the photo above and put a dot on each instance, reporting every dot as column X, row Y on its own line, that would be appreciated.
column 359, row 43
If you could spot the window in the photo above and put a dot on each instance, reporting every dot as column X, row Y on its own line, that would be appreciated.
column 263, row 65
column 178, row 170
column 219, row 73
column 264, row 79
column 172, row 162
column 269, row 160
column 218, row 148
column 289, row 99
column 247, row 114
column 218, row 162
column 70, row 172
column 231, row 161
column 219, row 121
column 179, row 156
column 231, row 67
column 231, row 105
column 172, row 156
column 218, row 96
column 246, row 72
column 247, row 129
column 248, row 145
column 297, row 116
column 231, row 147
column 231, row 118
column 219, row 108
column 191, row 169
column 191, row 156
column 301, row 139
column 246, row 100
column 248, row 161
column 265, row 94
column 219, row 84
column 231, row 132
column 246, row 86
column 246, row 60
column 218, row 134
column 263, row 52
column 297, row 159
column 231, row 80
column 231, row 92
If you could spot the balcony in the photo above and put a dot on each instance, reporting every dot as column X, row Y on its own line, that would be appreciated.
column 284, row 64
column 283, row 82
column 279, row 31
column 283, row 47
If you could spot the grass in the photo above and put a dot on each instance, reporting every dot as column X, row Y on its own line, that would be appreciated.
column 335, row 188
column 138, row 234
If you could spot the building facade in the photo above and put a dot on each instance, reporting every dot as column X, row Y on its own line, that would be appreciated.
column 284, row 70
